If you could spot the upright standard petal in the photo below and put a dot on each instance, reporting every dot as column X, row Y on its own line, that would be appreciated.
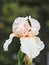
column 8, row 41
column 35, row 25
column 21, row 26
column 18, row 21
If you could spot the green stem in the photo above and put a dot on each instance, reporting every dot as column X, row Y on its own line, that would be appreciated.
column 20, row 57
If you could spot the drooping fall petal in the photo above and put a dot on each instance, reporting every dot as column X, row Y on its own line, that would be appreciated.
column 31, row 46
column 7, row 42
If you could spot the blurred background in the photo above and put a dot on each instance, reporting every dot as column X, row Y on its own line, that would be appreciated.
column 9, row 10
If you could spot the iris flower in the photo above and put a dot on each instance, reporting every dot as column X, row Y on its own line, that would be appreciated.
column 31, row 45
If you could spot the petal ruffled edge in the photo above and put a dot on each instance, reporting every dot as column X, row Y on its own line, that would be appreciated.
column 19, row 20
column 40, row 43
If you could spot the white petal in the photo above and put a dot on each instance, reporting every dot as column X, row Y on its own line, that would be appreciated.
column 18, row 21
column 29, row 46
column 21, row 26
column 34, row 31
column 7, row 42
column 40, row 43
column 35, row 25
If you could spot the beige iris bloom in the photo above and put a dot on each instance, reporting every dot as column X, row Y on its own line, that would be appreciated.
column 31, row 45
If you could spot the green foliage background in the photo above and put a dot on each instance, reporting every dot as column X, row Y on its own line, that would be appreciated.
column 9, row 10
